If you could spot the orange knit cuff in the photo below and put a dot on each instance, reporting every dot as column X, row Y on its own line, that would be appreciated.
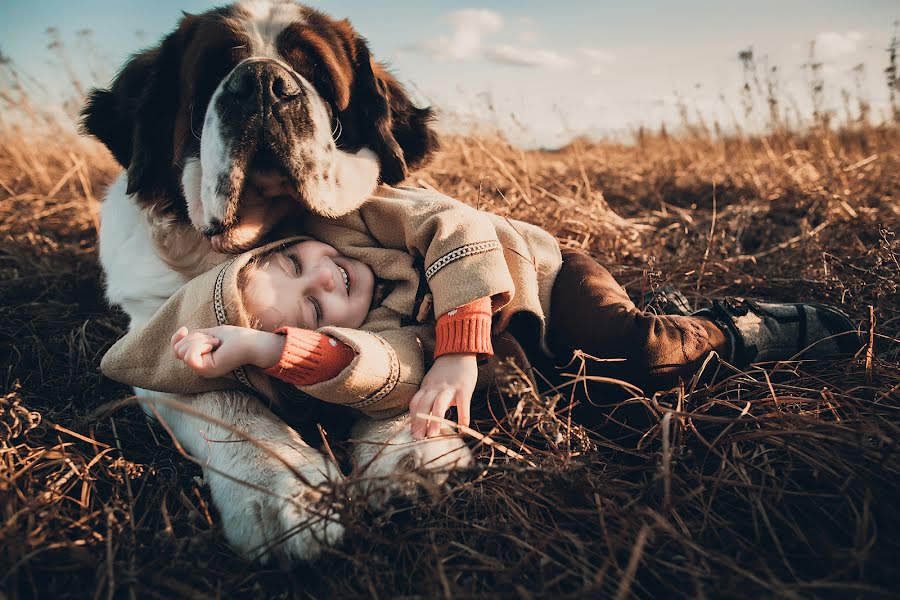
column 465, row 329
column 310, row 357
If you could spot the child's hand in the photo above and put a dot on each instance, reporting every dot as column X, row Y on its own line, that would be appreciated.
column 216, row 351
column 449, row 382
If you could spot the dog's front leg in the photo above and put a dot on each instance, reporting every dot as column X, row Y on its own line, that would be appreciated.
column 271, row 489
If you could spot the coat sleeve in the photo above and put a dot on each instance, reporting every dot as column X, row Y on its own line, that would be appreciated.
column 463, row 256
column 384, row 375
column 309, row 357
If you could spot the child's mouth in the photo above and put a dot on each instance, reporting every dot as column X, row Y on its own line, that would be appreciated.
column 346, row 277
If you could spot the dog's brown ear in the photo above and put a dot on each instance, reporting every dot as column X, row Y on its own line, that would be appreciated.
column 134, row 118
column 400, row 133
column 109, row 114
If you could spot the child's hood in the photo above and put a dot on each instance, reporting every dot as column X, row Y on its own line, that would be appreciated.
column 143, row 357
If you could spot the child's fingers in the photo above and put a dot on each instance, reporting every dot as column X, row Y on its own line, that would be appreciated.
column 415, row 423
column 439, row 409
column 214, row 332
column 179, row 335
column 419, row 406
column 195, row 349
column 207, row 366
column 184, row 345
column 195, row 354
column 464, row 409
column 201, row 335
column 181, row 347
column 194, row 361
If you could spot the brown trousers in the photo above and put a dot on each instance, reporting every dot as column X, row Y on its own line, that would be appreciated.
column 590, row 311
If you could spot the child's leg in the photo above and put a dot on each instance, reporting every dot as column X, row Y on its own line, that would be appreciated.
column 592, row 312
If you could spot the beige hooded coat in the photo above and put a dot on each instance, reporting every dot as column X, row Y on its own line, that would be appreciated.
column 436, row 252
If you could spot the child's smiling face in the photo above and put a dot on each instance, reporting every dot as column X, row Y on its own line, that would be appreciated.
column 309, row 285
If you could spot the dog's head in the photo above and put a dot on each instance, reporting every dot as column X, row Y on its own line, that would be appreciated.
column 247, row 114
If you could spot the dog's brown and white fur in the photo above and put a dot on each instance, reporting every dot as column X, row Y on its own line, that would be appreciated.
column 242, row 118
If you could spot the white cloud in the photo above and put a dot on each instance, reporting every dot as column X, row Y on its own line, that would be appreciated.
column 470, row 27
column 600, row 58
column 468, row 41
column 831, row 44
column 528, row 57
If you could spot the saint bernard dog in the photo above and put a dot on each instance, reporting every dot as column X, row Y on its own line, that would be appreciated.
column 239, row 120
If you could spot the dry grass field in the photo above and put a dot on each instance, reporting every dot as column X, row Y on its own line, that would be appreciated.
column 779, row 481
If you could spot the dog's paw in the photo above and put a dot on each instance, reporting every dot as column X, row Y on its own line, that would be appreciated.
column 277, row 508
column 389, row 461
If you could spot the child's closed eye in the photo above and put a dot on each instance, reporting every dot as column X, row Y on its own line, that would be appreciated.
column 296, row 262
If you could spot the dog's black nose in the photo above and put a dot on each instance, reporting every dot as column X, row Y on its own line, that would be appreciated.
column 259, row 83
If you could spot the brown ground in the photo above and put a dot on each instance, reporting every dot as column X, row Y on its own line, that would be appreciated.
column 779, row 481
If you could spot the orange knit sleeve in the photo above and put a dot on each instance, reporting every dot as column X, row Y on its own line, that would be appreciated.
column 310, row 357
column 465, row 329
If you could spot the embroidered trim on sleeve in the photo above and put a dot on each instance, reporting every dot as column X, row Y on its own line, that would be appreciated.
column 222, row 319
column 390, row 384
column 461, row 252
column 218, row 302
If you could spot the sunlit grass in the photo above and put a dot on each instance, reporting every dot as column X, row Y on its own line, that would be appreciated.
column 779, row 481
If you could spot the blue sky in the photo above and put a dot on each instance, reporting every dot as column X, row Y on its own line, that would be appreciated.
column 539, row 70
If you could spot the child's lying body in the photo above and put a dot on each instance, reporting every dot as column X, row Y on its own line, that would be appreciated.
column 494, row 272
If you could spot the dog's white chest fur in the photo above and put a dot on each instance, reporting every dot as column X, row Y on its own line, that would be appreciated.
column 146, row 257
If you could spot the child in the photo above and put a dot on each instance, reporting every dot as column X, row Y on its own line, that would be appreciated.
column 320, row 330
column 299, row 288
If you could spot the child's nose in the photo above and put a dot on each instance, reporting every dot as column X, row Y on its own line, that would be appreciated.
column 325, row 278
